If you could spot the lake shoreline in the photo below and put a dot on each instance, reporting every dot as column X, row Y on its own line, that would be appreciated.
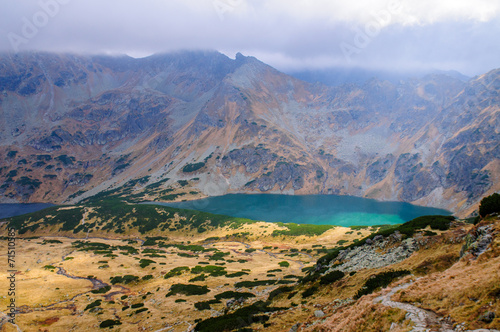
column 308, row 209
column 8, row 210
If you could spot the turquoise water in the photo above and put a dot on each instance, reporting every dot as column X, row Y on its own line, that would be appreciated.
column 12, row 210
column 310, row 209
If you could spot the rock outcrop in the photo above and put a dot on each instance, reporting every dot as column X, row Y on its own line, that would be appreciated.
column 430, row 141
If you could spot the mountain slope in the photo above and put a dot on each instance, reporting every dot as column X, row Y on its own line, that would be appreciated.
column 72, row 126
column 106, row 261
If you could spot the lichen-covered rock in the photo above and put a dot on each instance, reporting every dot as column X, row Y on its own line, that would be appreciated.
column 368, row 256
column 477, row 241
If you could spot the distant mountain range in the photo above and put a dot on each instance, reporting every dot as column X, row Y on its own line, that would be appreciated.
column 341, row 75
column 72, row 126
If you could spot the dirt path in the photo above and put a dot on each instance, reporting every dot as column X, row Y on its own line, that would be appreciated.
column 423, row 319
column 5, row 319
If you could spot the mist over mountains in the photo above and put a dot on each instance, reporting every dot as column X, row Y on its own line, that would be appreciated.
column 346, row 75
column 73, row 126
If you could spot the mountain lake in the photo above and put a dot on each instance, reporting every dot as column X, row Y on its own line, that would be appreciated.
column 309, row 209
column 12, row 210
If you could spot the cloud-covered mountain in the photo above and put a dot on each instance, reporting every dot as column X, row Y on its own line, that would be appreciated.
column 72, row 126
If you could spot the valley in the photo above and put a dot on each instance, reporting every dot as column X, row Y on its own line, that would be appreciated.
column 101, row 135
column 206, row 125
column 59, row 272
column 110, row 264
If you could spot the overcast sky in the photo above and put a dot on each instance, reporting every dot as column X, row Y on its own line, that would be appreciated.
column 288, row 34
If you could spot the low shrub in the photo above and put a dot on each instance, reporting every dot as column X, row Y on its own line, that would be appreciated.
column 109, row 323
column 176, row 271
column 212, row 270
column 189, row 168
column 101, row 290
column 146, row 262
column 236, row 274
column 127, row 279
column 251, row 284
column 278, row 291
column 379, row 280
column 205, row 305
column 233, row 295
column 187, row 290
column 239, row 319
column 94, row 304
column 284, row 264
column 331, row 277
column 489, row 205
column 309, row 291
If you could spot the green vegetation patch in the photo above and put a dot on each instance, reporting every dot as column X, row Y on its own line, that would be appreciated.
column 189, row 168
column 51, row 242
column 176, row 271
column 378, row 281
column 489, row 205
column 205, row 305
column 254, row 313
column 309, row 292
column 279, row 291
column 140, row 310
column 187, row 290
column 94, row 304
column 234, row 295
column 90, row 246
column 67, row 219
column 109, row 323
column 145, row 262
column 275, row 270
column 102, row 290
column 201, row 277
column 65, row 160
column 127, row 279
column 212, row 270
column 284, row 264
column 250, row 284
column 218, row 256
column 236, row 274
column 331, row 277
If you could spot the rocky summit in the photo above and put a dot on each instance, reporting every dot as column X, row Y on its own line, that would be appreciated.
column 73, row 126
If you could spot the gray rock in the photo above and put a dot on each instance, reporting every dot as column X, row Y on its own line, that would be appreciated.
column 294, row 328
column 319, row 314
column 477, row 241
column 487, row 317
column 368, row 257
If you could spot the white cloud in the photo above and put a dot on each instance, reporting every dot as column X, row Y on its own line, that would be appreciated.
column 285, row 33
column 406, row 12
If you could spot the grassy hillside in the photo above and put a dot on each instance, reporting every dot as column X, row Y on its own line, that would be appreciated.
column 108, row 263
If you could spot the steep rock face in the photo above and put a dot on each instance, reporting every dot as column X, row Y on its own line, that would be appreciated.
column 431, row 141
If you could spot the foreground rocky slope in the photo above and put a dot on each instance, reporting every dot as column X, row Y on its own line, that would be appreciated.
column 451, row 284
column 73, row 126
column 111, row 264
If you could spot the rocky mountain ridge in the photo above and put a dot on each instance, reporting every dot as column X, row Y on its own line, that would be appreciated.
column 73, row 126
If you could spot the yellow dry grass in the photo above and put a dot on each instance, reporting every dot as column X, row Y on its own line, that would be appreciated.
column 54, row 302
